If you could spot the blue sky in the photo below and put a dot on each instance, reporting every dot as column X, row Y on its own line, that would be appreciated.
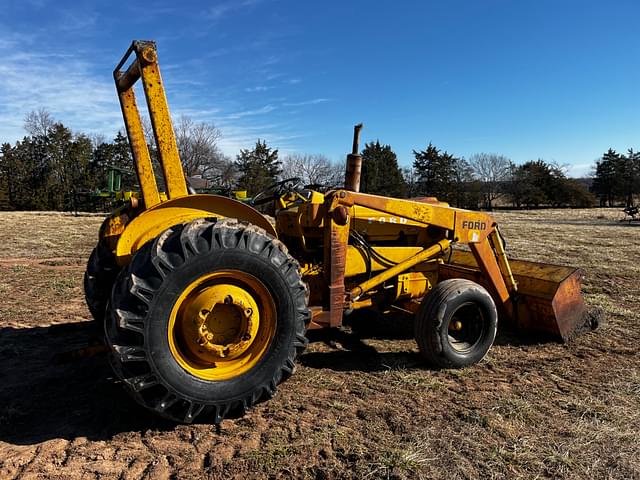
column 547, row 79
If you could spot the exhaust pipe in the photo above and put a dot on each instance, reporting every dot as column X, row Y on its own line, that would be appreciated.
column 354, row 163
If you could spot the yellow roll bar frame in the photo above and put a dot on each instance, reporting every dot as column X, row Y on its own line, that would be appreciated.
column 145, row 67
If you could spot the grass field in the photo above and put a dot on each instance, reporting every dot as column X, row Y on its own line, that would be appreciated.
column 360, row 405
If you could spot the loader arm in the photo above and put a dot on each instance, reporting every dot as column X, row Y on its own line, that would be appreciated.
column 549, row 302
column 476, row 229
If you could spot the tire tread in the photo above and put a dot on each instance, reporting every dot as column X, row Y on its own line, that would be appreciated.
column 430, row 316
column 136, row 286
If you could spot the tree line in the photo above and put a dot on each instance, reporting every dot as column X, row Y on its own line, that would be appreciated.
column 52, row 168
column 617, row 178
column 478, row 182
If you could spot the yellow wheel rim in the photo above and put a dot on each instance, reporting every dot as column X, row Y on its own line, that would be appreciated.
column 221, row 325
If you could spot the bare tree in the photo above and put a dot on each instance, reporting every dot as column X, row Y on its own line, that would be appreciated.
column 492, row 170
column 147, row 130
column 312, row 169
column 198, row 147
column 411, row 179
column 228, row 174
column 38, row 122
column 97, row 139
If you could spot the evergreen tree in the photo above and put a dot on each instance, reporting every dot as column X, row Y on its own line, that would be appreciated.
column 122, row 153
column 530, row 184
column 380, row 172
column 30, row 171
column 607, row 183
column 574, row 193
column 436, row 173
column 617, row 178
column 115, row 155
column 45, row 171
column 8, row 172
column 258, row 168
column 537, row 183
column 630, row 176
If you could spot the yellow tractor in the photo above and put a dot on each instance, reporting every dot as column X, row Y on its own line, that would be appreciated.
column 206, row 303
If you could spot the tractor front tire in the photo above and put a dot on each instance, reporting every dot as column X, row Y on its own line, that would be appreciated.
column 99, row 277
column 207, row 319
column 456, row 324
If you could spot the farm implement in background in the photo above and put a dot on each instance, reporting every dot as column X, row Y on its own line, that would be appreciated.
column 114, row 195
column 631, row 214
column 206, row 303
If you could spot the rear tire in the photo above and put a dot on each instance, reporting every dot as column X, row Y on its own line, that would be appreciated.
column 159, row 298
column 99, row 278
column 456, row 324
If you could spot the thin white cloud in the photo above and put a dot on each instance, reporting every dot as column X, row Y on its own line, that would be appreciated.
column 60, row 83
column 143, row 13
column 222, row 9
column 199, row 114
column 78, row 22
column 250, row 113
column 77, row 89
column 314, row 101
column 257, row 88
column 36, row 4
column 86, row 102
column 234, row 138
column 578, row 170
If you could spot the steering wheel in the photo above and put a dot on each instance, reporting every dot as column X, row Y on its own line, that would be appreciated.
column 277, row 189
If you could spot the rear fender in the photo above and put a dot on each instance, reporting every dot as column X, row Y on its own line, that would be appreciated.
column 150, row 223
column 113, row 226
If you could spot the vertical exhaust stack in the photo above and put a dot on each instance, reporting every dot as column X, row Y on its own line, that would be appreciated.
column 354, row 163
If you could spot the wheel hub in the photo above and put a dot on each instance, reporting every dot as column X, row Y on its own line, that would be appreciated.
column 226, row 319
column 466, row 327
column 221, row 325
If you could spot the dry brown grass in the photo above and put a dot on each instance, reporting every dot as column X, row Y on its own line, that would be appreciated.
column 47, row 234
column 358, row 406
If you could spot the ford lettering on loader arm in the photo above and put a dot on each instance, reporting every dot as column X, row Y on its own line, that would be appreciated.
column 206, row 303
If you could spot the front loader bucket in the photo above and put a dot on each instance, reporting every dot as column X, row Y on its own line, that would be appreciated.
column 549, row 298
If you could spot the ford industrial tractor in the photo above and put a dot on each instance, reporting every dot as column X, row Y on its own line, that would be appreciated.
column 206, row 302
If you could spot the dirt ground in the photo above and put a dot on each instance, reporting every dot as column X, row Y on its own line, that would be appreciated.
column 360, row 405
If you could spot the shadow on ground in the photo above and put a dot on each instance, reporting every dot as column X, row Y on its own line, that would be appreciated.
column 348, row 350
column 349, row 353
column 47, row 395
